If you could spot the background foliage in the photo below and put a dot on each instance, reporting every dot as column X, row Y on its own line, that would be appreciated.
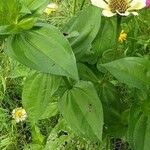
column 80, row 89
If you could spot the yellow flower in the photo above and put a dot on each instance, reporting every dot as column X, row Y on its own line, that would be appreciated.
column 52, row 7
column 121, row 7
column 122, row 37
column 19, row 114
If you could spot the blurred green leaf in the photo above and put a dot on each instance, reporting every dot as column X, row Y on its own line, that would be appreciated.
column 9, row 11
column 34, row 147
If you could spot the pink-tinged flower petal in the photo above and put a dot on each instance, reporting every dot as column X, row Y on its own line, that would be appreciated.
column 147, row 3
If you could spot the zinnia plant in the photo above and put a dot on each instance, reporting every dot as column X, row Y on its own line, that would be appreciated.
column 84, row 82
column 52, row 7
column 121, row 7
column 19, row 114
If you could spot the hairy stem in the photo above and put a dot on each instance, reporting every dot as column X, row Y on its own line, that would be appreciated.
column 82, row 4
column 118, row 29
column 69, row 86
column 74, row 6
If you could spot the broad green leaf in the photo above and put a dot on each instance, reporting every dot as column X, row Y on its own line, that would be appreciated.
column 134, row 115
column 50, row 111
column 87, row 24
column 82, row 109
column 132, row 71
column 35, row 6
column 106, row 36
column 26, row 23
column 141, row 135
column 43, row 49
column 37, row 94
column 139, row 128
column 57, row 140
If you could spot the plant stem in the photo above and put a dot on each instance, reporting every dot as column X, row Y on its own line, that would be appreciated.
column 82, row 4
column 74, row 6
column 118, row 30
column 107, row 143
column 69, row 86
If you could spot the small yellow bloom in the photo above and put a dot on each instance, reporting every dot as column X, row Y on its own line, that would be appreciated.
column 19, row 114
column 122, row 37
column 52, row 7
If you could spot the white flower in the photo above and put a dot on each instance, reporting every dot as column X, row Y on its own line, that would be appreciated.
column 121, row 7
column 52, row 7
column 19, row 114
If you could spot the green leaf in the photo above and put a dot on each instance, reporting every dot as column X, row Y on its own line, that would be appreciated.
column 17, row 70
column 86, row 73
column 37, row 136
column 113, row 110
column 106, row 36
column 33, row 147
column 36, row 6
column 7, row 29
column 57, row 140
column 87, row 24
column 132, row 71
column 37, row 94
column 110, row 99
column 27, row 23
column 44, row 49
column 50, row 111
column 9, row 11
column 24, row 24
column 139, row 129
column 82, row 109
column 142, row 134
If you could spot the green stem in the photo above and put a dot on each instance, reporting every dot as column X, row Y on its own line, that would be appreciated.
column 69, row 86
column 37, row 136
column 118, row 27
column 82, row 4
column 107, row 143
column 74, row 6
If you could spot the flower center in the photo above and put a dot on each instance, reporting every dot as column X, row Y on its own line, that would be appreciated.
column 18, row 114
column 118, row 5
